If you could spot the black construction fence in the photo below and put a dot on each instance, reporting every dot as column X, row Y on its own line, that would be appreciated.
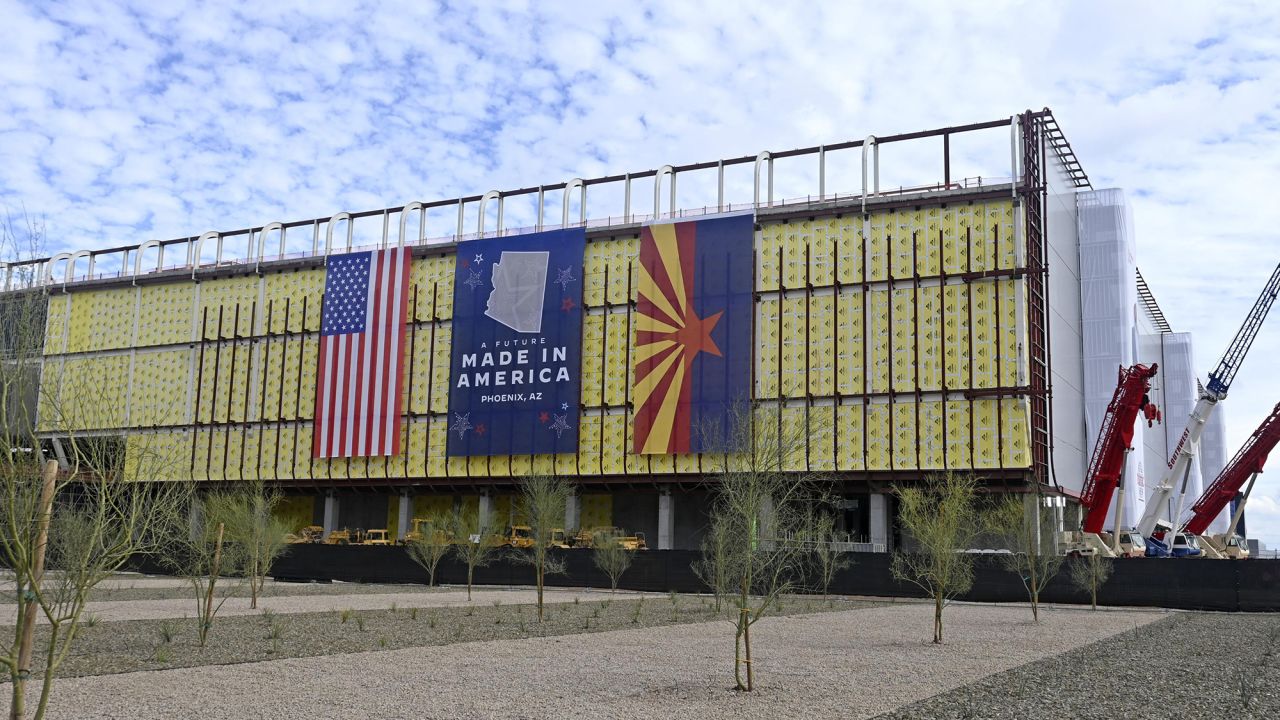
column 1224, row 585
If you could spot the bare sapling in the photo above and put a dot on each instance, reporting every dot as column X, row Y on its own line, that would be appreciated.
column 214, row 569
column 430, row 545
column 542, row 501
column 473, row 544
column 758, row 512
column 1025, row 527
column 1090, row 573
column 610, row 556
column 250, row 523
column 830, row 557
column 713, row 566
column 941, row 518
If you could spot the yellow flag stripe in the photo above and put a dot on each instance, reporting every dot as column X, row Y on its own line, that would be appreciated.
column 647, row 384
column 644, row 352
column 664, row 238
column 648, row 323
column 660, row 432
column 649, row 289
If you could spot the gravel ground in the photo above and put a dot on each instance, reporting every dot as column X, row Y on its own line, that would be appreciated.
column 415, row 596
column 158, row 644
column 1224, row 666
column 850, row 664
column 271, row 589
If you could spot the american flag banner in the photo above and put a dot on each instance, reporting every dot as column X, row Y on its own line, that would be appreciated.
column 361, row 364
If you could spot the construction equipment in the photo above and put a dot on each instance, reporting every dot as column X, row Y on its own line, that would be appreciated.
column 308, row 534
column 1106, row 467
column 375, row 537
column 1219, row 383
column 517, row 536
column 589, row 538
column 339, row 537
column 420, row 525
column 1245, row 466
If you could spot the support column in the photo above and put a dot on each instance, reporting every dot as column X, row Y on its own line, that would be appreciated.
column 486, row 511
column 879, row 521
column 406, row 515
column 1031, row 514
column 195, row 521
column 767, row 534
column 330, row 513
column 666, row 520
column 572, row 513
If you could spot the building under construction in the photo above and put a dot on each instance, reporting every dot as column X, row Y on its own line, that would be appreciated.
column 950, row 299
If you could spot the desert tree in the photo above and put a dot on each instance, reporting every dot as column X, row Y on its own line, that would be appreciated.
column 80, row 517
column 431, row 544
column 941, row 517
column 214, row 569
column 542, row 502
column 1025, row 527
column 610, row 556
column 1090, row 573
column 713, row 566
column 473, row 544
column 829, row 557
column 249, row 522
column 759, row 516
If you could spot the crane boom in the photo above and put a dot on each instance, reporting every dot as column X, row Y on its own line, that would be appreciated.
column 1114, row 439
column 1219, row 384
column 1248, row 461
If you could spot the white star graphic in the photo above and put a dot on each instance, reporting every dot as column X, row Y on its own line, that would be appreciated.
column 461, row 424
column 560, row 425
column 479, row 258
column 564, row 277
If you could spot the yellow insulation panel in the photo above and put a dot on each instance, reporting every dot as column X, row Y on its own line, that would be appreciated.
column 817, row 342
column 86, row 392
column 101, row 320
column 231, row 305
column 432, row 277
column 159, row 388
column 293, row 295
column 55, row 324
column 164, row 314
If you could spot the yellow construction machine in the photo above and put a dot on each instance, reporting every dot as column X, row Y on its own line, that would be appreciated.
column 308, row 534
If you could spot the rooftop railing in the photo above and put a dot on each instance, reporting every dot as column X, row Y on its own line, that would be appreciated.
column 322, row 237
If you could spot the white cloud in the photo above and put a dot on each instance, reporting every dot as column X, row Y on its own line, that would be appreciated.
column 165, row 120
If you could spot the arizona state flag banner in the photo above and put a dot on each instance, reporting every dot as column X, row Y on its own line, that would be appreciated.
column 693, row 331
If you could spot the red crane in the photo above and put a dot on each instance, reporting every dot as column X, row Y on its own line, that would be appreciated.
column 1246, row 464
column 1114, row 439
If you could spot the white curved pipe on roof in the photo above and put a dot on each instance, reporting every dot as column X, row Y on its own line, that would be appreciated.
column 422, row 222
column 328, row 237
column 657, row 191
column 581, row 186
column 484, row 200
column 761, row 158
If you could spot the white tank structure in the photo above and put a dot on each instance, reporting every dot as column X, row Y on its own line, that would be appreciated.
column 1109, row 301
column 1213, row 458
column 1175, row 393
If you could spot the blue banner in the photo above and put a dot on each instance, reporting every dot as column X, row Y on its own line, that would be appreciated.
column 515, row 368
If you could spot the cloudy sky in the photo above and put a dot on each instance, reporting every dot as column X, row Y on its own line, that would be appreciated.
column 120, row 123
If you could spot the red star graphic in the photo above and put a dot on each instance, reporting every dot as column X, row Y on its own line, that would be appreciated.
column 466, row 263
column 567, row 304
column 480, row 429
column 544, row 418
column 695, row 336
